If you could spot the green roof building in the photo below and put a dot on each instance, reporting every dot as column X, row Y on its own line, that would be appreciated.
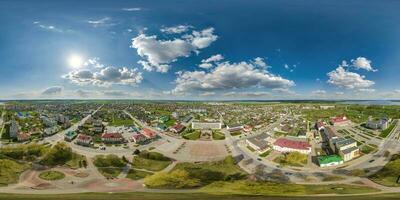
column 70, row 135
column 329, row 161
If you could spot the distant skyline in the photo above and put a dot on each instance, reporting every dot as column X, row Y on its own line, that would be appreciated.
column 200, row 50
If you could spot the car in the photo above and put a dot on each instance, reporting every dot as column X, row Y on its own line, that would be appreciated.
column 371, row 161
column 259, row 159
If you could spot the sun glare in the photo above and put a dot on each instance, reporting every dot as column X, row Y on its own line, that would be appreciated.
column 75, row 61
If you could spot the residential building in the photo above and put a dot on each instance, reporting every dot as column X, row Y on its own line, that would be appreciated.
column 177, row 128
column 377, row 124
column 346, row 148
column 247, row 128
column 340, row 121
column 329, row 133
column 206, row 125
column 259, row 143
column 234, row 127
column 162, row 127
column 112, row 138
column 23, row 136
column 51, row 130
column 138, row 138
column 349, row 153
column 149, row 133
column 292, row 145
column 329, row 161
column 320, row 125
column 14, row 129
column 70, row 135
column 84, row 140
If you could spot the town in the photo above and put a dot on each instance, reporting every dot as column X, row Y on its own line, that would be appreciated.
column 86, row 146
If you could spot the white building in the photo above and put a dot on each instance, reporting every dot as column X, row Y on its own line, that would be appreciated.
column 14, row 128
column 206, row 125
column 377, row 124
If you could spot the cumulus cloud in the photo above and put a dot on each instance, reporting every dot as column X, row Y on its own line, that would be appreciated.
column 246, row 94
column 158, row 54
column 284, row 91
column 208, row 63
column 54, row 90
column 176, row 29
column 362, row 63
column 228, row 75
column 206, row 94
column 348, row 80
column 132, row 9
column 105, row 77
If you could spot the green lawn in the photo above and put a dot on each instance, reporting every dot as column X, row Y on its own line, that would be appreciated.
column 245, row 187
column 110, row 165
column 149, row 164
column 10, row 171
column 137, row 174
column 51, row 175
column 76, row 161
column 366, row 149
column 387, row 131
column 192, row 135
column 182, row 196
column 389, row 174
column 218, row 135
column 295, row 159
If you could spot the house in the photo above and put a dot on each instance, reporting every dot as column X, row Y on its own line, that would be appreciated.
column 340, row 121
column 23, row 136
column 247, row 128
column 177, row 128
column 329, row 161
column 292, row 145
column 259, row 143
column 302, row 134
column 112, row 138
column 51, row 130
column 326, row 107
column 47, row 121
column 162, row 127
column 206, row 125
column 84, row 140
column 377, row 124
column 163, row 119
column 149, row 133
column 138, row 138
column 70, row 135
column 187, row 119
column 234, row 127
column 350, row 153
column 346, row 148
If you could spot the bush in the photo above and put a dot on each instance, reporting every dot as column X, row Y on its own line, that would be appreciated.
column 58, row 155
column 153, row 156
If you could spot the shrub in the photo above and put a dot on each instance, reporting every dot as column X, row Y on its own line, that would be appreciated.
column 176, row 179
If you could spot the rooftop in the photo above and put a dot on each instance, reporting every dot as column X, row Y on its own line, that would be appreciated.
column 329, row 159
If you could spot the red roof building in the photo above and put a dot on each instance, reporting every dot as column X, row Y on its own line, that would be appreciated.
column 23, row 136
column 112, row 137
column 290, row 145
column 177, row 128
column 149, row 133
column 340, row 120
column 137, row 138
column 83, row 139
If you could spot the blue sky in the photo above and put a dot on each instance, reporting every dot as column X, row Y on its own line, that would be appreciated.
column 287, row 49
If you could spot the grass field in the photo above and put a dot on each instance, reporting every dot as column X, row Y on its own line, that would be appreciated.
column 137, row 174
column 389, row 174
column 192, row 135
column 218, row 135
column 387, row 131
column 149, row 164
column 51, row 175
column 267, row 188
column 10, row 171
column 292, row 159
column 182, row 196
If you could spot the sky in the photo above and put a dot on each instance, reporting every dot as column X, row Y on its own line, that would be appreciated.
column 200, row 50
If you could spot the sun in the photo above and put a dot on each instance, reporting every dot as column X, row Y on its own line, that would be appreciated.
column 75, row 61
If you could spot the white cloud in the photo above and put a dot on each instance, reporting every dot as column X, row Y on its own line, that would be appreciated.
column 132, row 9
column 318, row 92
column 54, row 90
column 176, row 29
column 207, row 63
column 105, row 77
column 48, row 27
column 246, row 94
column 214, row 58
column 348, row 80
column 260, row 62
column 105, row 21
column 284, row 91
column 362, row 63
column 368, row 90
column 206, row 94
column 94, row 62
column 229, row 76
column 339, row 93
column 158, row 54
